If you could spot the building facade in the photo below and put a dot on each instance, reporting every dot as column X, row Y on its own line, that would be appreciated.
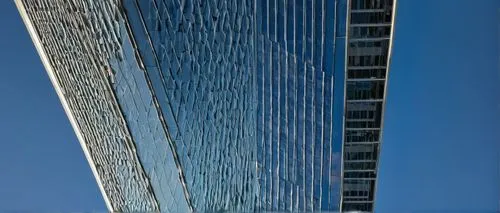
column 205, row 106
column 368, row 54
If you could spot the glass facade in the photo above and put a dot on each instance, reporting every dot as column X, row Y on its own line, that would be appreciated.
column 300, row 68
column 198, row 60
column 253, row 105
column 368, row 50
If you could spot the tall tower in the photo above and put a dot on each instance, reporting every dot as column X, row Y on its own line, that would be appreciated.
column 370, row 30
column 222, row 105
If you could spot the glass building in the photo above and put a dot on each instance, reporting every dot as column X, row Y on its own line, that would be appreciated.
column 222, row 105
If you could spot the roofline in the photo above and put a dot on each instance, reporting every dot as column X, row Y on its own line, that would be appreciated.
column 389, row 55
column 50, row 71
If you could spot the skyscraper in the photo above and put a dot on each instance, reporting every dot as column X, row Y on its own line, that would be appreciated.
column 222, row 105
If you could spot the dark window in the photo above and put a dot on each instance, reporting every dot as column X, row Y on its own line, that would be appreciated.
column 360, row 151
column 366, row 73
column 368, row 60
column 359, row 165
column 353, row 136
column 371, row 4
column 370, row 17
column 365, row 90
column 357, row 206
column 370, row 32
column 359, row 174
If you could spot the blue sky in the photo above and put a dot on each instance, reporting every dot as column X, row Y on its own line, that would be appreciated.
column 441, row 140
column 42, row 165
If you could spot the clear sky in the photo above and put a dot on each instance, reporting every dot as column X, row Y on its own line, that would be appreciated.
column 441, row 139
column 42, row 166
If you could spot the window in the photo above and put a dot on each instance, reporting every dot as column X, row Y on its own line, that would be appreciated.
column 362, row 124
column 360, row 174
column 365, row 90
column 371, row 4
column 365, row 73
column 370, row 32
column 353, row 136
column 367, row 60
column 370, row 17
column 357, row 206
column 360, row 151
column 359, row 165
